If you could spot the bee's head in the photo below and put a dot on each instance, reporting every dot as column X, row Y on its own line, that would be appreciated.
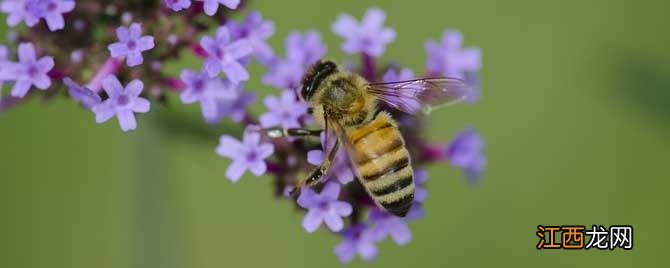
column 314, row 76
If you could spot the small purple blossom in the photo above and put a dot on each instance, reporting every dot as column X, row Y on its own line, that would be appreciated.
column 357, row 239
column 284, row 111
column 256, row 31
column 305, row 48
column 83, row 95
column 28, row 72
column 236, row 108
column 466, row 151
column 177, row 5
column 249, row 154
column 385, row 224
column 323, row 207
column 131, row 44
column 206, row 90
column 224, row 55
column 31, row 11
column 448, row 58
column 340, row 168
column 284, row 74
column 211, row 6
column 369, row 36
column 302, row 50
column 123, row 102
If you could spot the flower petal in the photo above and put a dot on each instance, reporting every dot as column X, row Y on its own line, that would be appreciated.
column 235, row 170
column 112, row 86
column 334, row 222
column 229, row 147
column 104, row 111
column 126, row 120
column 141, row 105
column 312, row 220
column 26, row 52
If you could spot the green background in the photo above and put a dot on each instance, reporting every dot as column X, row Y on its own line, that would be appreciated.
column 575, row 114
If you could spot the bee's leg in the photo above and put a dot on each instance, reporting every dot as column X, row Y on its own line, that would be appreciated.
column 315, row 177
column 277, row 132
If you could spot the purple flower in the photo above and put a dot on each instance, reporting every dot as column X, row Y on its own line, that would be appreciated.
column 83, row 95
column 131, row 44
column 211, row 6
column 31, row 11
column 28, row 72
column 206, row 90
column 224, row 54
column 302, row 50
column 340, row 168
column 448, row 58
column 466, row 151
column 369, row 36
column 284, row 74
column 177, row 5
column 284, row 111
column 323, row 207
column 236, row 108
column 357, row 239
column 122, row 103
column 384, row 224
column 249, row 154
column 305, row 48
column 256, row 31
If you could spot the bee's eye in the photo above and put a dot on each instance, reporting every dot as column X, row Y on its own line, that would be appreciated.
column 321, row 71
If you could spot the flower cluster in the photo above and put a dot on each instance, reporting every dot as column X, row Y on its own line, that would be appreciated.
column 108, row 55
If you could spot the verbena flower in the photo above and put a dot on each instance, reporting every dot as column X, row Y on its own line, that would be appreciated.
column 28, row 72
column 449, row 58
column 131, row 44
column 357, row 239
column 224, row 55
column 31, row 11
column 256, row 31
column 177, row 5
column 81, row 94
column 466, row 151
column 249, row 154
column 385, row 224
column 284, row 111
column 206, row 90
column 340, row 169
column 211, row 6
column 305, row 48
column 123, row 102
column 236, row 108
column 323, row 207
column 369, row 36
column 302, row 50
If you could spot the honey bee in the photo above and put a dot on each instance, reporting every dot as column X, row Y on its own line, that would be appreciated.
column 347, row 105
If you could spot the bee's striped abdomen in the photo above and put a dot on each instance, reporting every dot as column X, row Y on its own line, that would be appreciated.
column 382, row 162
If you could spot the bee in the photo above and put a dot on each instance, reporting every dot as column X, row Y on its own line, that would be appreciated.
column 347, row 105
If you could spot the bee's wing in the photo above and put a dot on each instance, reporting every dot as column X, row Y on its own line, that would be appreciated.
column 423, row 95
